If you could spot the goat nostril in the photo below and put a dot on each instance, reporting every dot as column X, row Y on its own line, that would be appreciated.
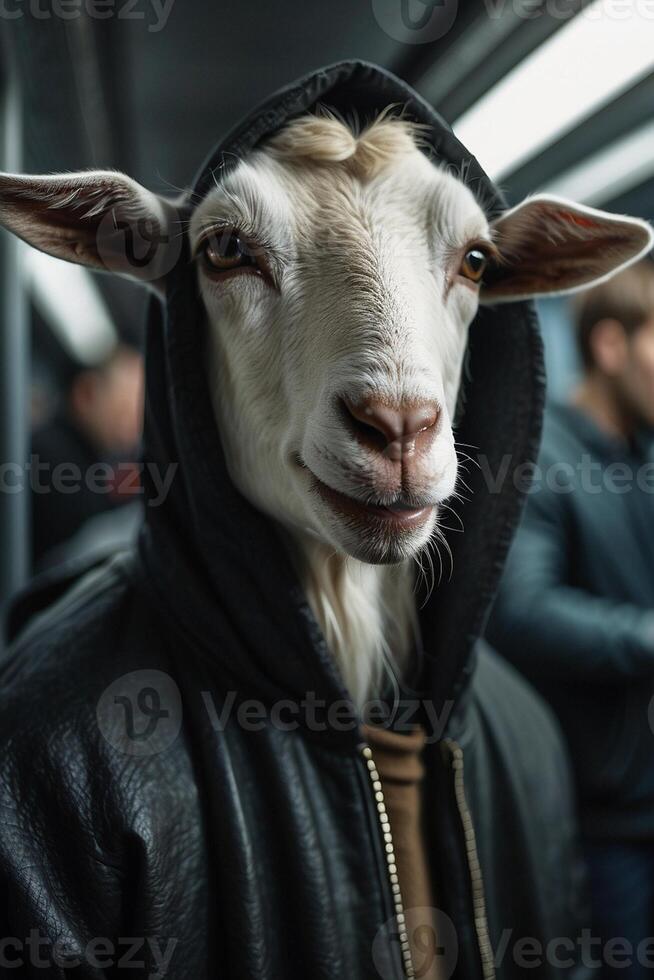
column 395, row 431
column 378, row 419
column 420, row 418
column 363, row 424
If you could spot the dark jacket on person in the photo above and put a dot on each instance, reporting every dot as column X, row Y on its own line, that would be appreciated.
column 576, row 613
column 62, row 451
column 172, row 764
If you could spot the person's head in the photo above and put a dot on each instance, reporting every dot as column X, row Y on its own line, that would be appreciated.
column 615, row 332
column 106, row 401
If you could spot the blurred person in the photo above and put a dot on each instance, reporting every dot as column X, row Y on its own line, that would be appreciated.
column 575, row 611
column 99, row 422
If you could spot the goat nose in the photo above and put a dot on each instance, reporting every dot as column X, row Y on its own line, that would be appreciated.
column 397, row 430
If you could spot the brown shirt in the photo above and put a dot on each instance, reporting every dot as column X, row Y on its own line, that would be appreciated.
column 398, row 759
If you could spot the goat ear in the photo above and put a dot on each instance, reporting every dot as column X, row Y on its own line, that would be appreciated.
column 100, row 219
column 548, row 245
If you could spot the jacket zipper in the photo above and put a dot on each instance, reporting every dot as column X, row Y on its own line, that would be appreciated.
column 391, row 864
column 474, row 867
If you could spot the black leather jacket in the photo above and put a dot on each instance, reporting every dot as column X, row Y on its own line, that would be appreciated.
column 183, row 783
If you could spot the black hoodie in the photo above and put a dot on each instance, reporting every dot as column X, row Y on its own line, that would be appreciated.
column 180, row 761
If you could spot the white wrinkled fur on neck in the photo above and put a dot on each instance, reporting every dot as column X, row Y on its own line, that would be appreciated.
column 266, row 353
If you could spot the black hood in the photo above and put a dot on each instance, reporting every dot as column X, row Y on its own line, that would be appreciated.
column 217, row 567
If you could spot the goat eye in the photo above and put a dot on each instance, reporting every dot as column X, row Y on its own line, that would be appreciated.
column 226, row 250
column 474, row 264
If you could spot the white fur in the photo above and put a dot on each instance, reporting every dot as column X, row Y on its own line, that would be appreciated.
column 370, row 304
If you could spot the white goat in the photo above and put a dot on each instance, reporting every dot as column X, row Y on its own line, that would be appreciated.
column 340, row 273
